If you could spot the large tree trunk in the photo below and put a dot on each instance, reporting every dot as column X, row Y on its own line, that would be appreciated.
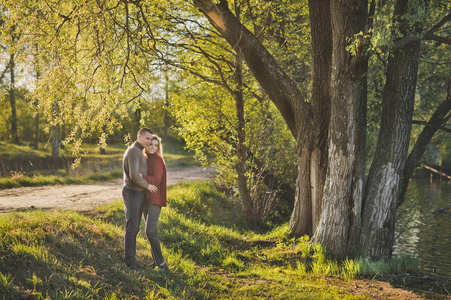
column 384, row 179
column 242, row 181
column 309, row 189
column 301, row 221
column 340, row 217
column 312, row 145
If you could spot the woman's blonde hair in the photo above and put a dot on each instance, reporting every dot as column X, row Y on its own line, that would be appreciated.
column 160, row 146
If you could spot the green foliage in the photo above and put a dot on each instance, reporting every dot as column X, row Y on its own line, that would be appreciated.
column 396, row 265
column 208, row 123
column 24, row 166
column 108, row 81
column 284, row 28
column 149, row 114
column 24, row 112
column 205, row 203
column 103, row 76
column 431, row 91
column 433, row 72
column 350, row 269
column 98, row 77
column 206, row 107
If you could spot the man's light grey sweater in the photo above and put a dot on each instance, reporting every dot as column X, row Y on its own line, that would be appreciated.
column 133, row 165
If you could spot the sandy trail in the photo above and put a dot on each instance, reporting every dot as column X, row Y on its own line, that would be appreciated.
column 83, row 197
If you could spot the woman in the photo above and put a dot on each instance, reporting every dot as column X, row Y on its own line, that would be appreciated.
column 156, row 175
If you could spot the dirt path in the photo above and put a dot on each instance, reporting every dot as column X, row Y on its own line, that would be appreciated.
column 84, row 197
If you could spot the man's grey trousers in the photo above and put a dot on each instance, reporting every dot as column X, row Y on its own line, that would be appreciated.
column 134, row 204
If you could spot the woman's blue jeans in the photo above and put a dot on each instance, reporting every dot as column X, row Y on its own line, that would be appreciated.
column 151, row 216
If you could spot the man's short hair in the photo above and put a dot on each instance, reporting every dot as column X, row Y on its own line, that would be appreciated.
column 144, row 130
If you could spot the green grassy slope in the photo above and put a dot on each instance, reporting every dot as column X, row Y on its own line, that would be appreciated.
column 210, row 252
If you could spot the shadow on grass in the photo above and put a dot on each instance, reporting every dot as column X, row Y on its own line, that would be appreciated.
column 67, row 255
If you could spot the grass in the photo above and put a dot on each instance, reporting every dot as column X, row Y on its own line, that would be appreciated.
column 211, row 253
column 24, row 166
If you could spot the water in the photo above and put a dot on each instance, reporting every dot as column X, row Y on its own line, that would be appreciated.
column 422, row 231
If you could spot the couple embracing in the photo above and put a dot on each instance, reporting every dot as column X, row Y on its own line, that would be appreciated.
column 144, row 193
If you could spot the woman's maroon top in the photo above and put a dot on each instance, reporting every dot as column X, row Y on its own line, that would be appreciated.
column 156, row 175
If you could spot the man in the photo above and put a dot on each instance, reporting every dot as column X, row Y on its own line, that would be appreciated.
column 134, row 164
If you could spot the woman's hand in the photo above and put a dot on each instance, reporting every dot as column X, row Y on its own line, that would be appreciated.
column 152, row 188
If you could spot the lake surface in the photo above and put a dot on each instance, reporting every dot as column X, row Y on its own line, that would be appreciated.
column 422, row 231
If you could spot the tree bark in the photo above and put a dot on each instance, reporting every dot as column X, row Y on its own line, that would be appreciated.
column 166, row 105
column 12, row 101
column 312, row 144
column 137, row 120
column 240, row 166
column 55, row 146
column 36, row 129
column 384, row 179
column 36, row 120
column 62, row 135
column 301, row 222
column 340, row 216
column 55, row 137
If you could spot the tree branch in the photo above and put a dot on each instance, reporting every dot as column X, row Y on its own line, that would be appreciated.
column 429, row 35
column 435, row 126
column 439, row 24
column 127, row 32
column 4, row 71
column 280, row 88
column 434, row 37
